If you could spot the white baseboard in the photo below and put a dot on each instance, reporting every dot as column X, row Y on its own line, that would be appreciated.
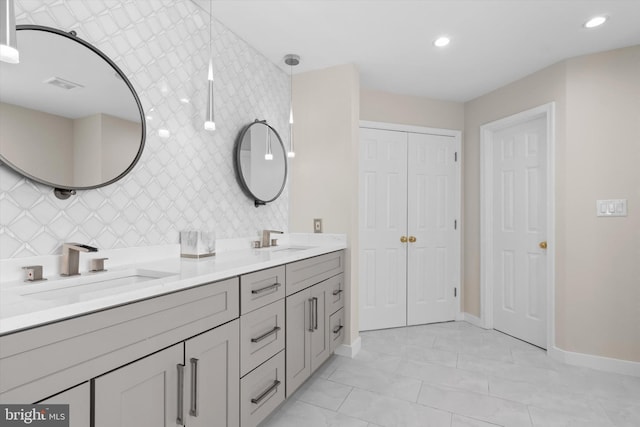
column 475, row 321
column 608, row 364
column 351, row 350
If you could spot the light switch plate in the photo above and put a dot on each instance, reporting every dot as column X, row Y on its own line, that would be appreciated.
column 612, row 207
column 317, row 225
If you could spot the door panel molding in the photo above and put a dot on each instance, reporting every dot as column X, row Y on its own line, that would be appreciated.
column 487, row 132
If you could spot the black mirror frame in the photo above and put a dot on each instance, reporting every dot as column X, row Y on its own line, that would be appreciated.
column 70, row 190
column 238, row 166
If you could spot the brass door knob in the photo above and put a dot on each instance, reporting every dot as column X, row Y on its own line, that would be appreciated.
column 543, row 245
column 403, row 239
column 412, row 239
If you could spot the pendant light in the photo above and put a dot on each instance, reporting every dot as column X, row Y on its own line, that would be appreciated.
column 291, row 60
column 8, row 42
column 269, row 154
column 209, row 123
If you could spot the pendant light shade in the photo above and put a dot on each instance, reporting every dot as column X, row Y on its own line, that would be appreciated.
column 209, row 122
column 8, row 42
column 269, row 154
column 291, row 60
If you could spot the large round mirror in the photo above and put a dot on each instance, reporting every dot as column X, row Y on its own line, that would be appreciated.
column 261, row 162
column 69, row 118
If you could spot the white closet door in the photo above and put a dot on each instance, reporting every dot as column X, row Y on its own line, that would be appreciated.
column 519, row 231
column 383, row 220
column 434, row 257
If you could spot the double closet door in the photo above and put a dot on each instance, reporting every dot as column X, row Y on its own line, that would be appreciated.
column 409, row 241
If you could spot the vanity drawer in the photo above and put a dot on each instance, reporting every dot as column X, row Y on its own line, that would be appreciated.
column 261, row 288
column 336, row 329
column 336, row 293
column 262, row 335
column 302, row 274
column 262, row 391
column 40, row 362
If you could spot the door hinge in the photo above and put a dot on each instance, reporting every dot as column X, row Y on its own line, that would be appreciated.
column 455, row 156
column 455, row 292
column 455, row 224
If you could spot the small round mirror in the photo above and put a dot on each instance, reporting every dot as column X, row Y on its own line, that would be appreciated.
column 260, row 162
column 70, row 118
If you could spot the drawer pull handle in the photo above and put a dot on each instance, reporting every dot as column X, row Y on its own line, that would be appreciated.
column 180, row 415
column 193, row 411
column 257, row 400
column 310, row 314
column 315, row 303
column 337, row 329
column 266, row 288
column 337, row 292
column 263, row 336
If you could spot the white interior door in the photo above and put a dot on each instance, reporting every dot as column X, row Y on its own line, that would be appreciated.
column 383, row 220
column 433, row 249
column 519, row 228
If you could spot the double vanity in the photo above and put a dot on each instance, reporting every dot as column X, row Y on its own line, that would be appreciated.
column 216, row 341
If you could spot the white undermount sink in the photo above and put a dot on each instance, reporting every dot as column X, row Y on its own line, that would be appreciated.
column 94, row 285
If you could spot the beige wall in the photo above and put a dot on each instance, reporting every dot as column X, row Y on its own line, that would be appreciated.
column 599, row 288
column 52, row 138
column 324, row 180
column 377, row 106
column 597, row 155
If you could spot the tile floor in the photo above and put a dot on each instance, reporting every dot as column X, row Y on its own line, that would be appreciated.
column 457, row 375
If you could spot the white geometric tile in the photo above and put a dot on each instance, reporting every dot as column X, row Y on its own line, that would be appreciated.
column 182, row 182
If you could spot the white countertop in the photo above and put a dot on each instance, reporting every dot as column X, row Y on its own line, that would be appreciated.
column 25, row 305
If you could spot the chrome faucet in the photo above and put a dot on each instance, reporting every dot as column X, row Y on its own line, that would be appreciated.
column 266, row 237
column 71, row 257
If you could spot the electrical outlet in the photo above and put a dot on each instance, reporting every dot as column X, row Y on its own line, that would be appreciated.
column 317, row 225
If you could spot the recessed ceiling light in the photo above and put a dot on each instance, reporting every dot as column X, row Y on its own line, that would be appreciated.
column 442, row 41
column 596, row 21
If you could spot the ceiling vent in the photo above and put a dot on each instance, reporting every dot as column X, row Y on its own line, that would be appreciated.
column 62, row 83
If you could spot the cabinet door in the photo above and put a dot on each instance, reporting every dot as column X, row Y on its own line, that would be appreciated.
column 79, row 400
column 319, row 332
column 142, row 394
column 298, row 340
column 212, row 378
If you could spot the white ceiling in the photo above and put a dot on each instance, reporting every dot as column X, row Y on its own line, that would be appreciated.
column 390, row 41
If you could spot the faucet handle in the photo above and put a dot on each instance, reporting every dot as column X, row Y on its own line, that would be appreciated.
column 33, row 273
column 97, row 264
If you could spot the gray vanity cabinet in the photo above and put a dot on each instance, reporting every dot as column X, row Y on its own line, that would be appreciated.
column 141, row 394
column 211, row 380
column 79, row 400
column 194, row 383
column 308, row 341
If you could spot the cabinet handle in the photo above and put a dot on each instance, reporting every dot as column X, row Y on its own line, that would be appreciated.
column 403, row 239
column 337, row 329
column 412, row 239
column 337, row 292
column 193, row 410
column 266, row 288
column 263, row 336
column 257, row 400
column 310, row 314
column 180, row 416
column 315, row 303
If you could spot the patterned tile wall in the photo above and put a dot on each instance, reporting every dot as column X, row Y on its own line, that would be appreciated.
column 184, row 182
